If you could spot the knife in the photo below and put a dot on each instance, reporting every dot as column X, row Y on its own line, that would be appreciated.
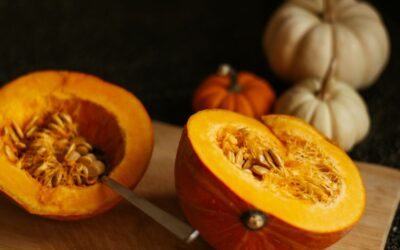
column 181, row 230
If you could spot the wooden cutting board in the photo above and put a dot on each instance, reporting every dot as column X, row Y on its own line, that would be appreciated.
column 125, row 227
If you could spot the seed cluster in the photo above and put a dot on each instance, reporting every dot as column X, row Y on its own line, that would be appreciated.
column 52, row 152
column 312, row 182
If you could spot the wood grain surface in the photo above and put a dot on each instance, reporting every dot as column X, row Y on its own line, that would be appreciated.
column 125, row 227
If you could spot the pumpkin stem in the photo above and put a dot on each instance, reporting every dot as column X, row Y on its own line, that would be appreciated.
column 328, row 13
column 253, row 219
column 226, row 69
column 322, row 94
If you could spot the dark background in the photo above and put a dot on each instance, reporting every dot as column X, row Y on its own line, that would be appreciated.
column 161, row 50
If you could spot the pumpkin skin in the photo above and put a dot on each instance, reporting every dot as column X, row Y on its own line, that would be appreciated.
column 299, row 41
column 245, row 93
column 108, row 116
column 214, row 197
column 341, row 116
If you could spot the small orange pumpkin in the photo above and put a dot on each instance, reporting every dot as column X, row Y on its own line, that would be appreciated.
column 243, row 93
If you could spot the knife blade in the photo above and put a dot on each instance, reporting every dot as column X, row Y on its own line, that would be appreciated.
column 179, row 228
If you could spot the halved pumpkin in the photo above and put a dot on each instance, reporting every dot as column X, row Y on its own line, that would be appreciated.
column 37, row 109
column 279, row 184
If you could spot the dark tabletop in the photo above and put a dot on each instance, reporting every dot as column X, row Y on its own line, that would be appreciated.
column 161, row 50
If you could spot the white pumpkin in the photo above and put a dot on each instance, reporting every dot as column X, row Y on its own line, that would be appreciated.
column 303, row 35
column 340, row 113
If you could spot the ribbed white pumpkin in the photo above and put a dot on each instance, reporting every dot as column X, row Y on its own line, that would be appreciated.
column 341, row 115
column 299, row 39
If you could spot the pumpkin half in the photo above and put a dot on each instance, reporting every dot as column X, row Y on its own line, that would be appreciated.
column 276, row 184
column 53, row 126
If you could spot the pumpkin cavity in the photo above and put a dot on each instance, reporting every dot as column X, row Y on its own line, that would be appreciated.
column 68, row 144
column 303, row 173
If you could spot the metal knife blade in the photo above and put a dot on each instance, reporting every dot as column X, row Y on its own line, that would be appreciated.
column 182, row 230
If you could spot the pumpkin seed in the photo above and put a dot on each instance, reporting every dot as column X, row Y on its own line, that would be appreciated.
column 91, row 156
column 20, row 145
column 57, row 128
column 259, row 170
column 232, row 139
column 83, row 170
column 18, row 130
column 248, row 171
column 67, row 118
column 30, row 131
column 41, row 150
column 9, row 131
column 40, row 169
column 248, row 164
column 96, row 168
column 276, row 159
column 31, row 123
column 82, row 150
column 74, row 156
column 268, row 159
column 314, row 182
column 71, row 149
column 231, row 156
column 239, row 158
column 10, row 154
column 58, row 120
column 86, row 160
column 52, row 152
column 57, row 178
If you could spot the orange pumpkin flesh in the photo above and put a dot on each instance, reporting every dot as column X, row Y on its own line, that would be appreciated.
column 216, row 195
column 109, row 117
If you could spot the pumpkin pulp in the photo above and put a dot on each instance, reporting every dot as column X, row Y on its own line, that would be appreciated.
column 51, row 151
column 318, row 188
